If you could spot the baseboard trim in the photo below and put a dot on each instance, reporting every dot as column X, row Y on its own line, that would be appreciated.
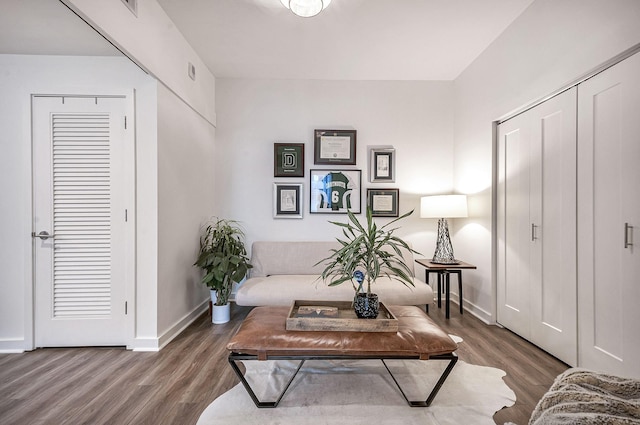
column 482, row 314
column 157, row 344
column 12, row 346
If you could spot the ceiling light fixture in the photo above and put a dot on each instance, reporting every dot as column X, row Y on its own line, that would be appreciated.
column 306, row 8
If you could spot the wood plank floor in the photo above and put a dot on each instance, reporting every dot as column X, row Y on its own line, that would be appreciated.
column 173, row 386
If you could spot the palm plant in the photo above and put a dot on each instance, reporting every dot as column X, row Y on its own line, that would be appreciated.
column 223, row 257
column 373, row 251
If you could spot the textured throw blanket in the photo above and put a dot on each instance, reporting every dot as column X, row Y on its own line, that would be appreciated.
column 579, row 396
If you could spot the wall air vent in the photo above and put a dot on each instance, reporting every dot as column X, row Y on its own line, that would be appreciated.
column 132, row 5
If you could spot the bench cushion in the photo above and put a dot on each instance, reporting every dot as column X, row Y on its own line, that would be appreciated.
column 263, row 333
column 280, row 290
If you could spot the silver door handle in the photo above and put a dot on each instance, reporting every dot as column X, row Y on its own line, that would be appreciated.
column 628, row 235
column 534, row 236
column 44, row 235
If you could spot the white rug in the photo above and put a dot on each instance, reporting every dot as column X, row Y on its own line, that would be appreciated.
column 362, row 392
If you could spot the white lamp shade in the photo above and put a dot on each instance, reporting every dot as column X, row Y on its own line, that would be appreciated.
column 306, row 8
column 443, row 206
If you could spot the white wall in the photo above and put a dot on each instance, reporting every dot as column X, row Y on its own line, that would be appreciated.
column 415, row 117
column 172, row 196
column 21, row 76
column 550, row 44
column 152, row 40
column 185, row 201
column 174, row 179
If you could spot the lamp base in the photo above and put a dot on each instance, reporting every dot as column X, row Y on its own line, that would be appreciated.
column 444, row 249
column 452, row 263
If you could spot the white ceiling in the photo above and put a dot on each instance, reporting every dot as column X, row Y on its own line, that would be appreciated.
column 350, row 40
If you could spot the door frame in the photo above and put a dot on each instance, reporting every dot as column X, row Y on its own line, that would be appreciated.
column 129, row 167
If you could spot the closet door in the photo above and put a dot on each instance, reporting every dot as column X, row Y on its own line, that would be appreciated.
column 553, row 228
column 80, row 197
column 514, row 265
column 537, row 226
column 609, row 219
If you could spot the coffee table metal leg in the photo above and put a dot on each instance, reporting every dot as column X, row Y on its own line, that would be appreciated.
column 452, row 357
column 233, row 357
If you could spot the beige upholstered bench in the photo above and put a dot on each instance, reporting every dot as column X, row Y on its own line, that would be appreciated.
column 286, row 271
column 263, row 336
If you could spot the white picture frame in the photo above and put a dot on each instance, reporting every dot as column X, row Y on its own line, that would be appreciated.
column 287, row 200
column 382, row 165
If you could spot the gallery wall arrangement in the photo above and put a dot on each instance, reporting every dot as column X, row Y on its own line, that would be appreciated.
column 336, row 188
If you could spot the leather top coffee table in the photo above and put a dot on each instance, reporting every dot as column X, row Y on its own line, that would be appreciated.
column 263, row 336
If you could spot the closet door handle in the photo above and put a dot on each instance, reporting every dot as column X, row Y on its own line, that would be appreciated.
column 534, row 235
column 628, row 235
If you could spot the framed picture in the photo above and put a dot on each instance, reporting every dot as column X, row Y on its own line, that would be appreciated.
column 335, row 191
column 383, row 202
column 335, row 147
column 287, row 200
column 288, row 160
column 382, row 166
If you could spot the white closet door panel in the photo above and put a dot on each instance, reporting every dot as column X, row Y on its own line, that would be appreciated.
column 608, row 176
column 536, row 226
column 513, row 225
column 608, row 331
column 553, row 213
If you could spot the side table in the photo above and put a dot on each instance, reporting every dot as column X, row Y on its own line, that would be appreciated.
column 444, row 272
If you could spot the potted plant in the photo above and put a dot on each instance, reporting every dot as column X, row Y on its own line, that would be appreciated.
column 366, row 254
column 223, row 258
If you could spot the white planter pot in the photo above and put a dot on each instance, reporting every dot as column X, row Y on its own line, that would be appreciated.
column 220, row 313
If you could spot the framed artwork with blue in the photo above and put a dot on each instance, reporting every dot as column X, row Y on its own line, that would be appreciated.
column 335, row 191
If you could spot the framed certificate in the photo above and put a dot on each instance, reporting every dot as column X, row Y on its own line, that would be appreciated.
column 383, row 202
column 335, row 147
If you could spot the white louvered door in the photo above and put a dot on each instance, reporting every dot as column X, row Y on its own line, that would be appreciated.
column 79, row 198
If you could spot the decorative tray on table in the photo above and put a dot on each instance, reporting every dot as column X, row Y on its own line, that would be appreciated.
column 336, row 316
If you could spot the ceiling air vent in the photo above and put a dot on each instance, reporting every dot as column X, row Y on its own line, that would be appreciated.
column 132, row 5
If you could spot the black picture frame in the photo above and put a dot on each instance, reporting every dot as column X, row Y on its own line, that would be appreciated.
column 382, row 165
column 384, row 202
column 288, row 160
column 335, row 191
column 287, row 200
column 334, row 147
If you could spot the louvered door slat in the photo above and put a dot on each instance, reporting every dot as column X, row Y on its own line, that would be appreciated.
column 82, row 215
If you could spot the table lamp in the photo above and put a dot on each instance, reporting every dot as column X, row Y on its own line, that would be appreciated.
column 443, row 207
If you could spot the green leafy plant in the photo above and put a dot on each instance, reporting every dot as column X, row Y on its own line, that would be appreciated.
column 223, row 257
column 372, row 250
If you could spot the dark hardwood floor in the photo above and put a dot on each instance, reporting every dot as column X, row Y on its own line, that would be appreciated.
column 174, row 386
